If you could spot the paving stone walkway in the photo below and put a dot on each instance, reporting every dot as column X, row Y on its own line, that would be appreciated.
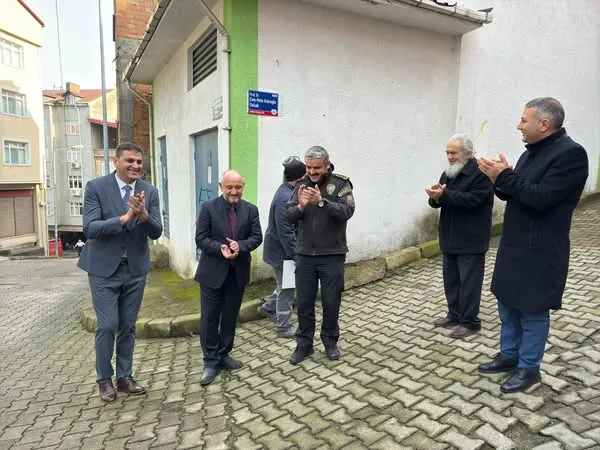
column 400, row 382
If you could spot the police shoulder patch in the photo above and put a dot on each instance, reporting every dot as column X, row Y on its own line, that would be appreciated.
column 344, row 191
column 341, row 177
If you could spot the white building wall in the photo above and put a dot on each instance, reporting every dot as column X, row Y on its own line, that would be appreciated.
column 532, row 48
column 179, row 114
column 379, row 97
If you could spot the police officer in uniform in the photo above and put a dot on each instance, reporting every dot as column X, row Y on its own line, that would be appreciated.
column 320, row 207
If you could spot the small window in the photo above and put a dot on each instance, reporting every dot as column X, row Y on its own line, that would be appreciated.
column 16, row 153
column 11, row 54
column 203, row 58
column 75, row 182
column 76, row 209
column 72, row 127
column 50, row 208
column 71, row 100
column 13, row 103
column 74, row 155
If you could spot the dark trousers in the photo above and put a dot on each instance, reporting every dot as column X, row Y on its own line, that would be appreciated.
column 523, row 335
column 117, row 300
column 463, row 278
column 309, row 271
column 219, row 309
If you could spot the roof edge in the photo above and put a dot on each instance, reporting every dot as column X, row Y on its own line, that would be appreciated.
column 152, row 26
column 30, row 11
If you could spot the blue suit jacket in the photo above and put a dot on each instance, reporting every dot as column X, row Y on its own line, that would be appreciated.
column 107, row 239
column 212, row 230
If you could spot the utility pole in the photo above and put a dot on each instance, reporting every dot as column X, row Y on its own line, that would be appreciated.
column 104, row 114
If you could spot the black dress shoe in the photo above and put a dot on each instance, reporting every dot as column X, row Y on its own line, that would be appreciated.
column 462, row 332
column 228, row 363
column 107, row 391
column 499, row 364
column 300, row 354
column 445, row 322
column 130, row 386
column 332, row 352
column 521, row 380
column 209, row 375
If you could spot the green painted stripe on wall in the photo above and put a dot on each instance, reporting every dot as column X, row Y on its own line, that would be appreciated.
column 241, row 22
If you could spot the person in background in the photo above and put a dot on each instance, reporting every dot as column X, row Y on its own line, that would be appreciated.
column 79, row 246
column 466, row 197
column 280, row 245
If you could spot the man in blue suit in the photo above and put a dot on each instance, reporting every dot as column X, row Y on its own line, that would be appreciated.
column 227, row 230
column 120, row 213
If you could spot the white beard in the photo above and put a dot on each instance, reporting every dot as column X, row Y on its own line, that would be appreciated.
column 454, row 169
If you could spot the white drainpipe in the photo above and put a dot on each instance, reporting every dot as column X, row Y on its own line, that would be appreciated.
column 225, row 137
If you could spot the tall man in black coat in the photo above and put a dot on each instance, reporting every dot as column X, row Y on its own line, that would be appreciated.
column 533, row 258
column 227, row 230
column 466, row 197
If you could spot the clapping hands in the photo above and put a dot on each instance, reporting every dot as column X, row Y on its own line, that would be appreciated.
column 308, row 195
column 493, row 167
column 435, row 191
column 231, row 250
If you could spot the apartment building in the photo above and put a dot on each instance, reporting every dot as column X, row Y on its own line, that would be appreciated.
column 22, row 197
column 74, row 153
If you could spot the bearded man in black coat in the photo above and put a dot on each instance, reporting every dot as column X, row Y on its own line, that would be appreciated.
column 531, row 268
column 465, row 196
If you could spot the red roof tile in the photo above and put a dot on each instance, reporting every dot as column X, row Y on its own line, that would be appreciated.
column 85, row 95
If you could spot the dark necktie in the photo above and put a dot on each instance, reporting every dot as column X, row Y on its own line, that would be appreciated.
column 232, row 221
column 126, row 197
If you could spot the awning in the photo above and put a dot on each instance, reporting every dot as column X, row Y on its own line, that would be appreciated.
column 171, row 25
column 100, row 122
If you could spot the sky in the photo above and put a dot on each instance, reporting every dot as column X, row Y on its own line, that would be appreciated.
column 80, row 42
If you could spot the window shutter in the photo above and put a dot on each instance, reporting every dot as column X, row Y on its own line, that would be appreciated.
column 204, row 57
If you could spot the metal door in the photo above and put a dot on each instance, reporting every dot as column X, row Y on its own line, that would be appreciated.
column 164, row 182
column 207, row 178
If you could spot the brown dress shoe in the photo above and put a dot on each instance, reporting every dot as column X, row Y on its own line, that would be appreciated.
column 107, row 391
column 462, row 332
column 130, row 386
column 444, row 322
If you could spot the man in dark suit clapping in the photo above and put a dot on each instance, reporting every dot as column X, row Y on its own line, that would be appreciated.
column 227, row 230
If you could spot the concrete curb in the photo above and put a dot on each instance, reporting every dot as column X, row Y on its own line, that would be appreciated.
column 21, row 258
column 356, row 274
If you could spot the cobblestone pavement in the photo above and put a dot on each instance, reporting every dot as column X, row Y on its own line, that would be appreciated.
column 400, row 383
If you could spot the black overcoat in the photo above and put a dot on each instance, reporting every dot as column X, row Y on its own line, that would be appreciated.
column 541, row 193
column 466, row 218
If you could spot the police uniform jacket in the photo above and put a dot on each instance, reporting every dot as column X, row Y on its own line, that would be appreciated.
column 465, row 222
column 541, row 194
column 322, row 229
